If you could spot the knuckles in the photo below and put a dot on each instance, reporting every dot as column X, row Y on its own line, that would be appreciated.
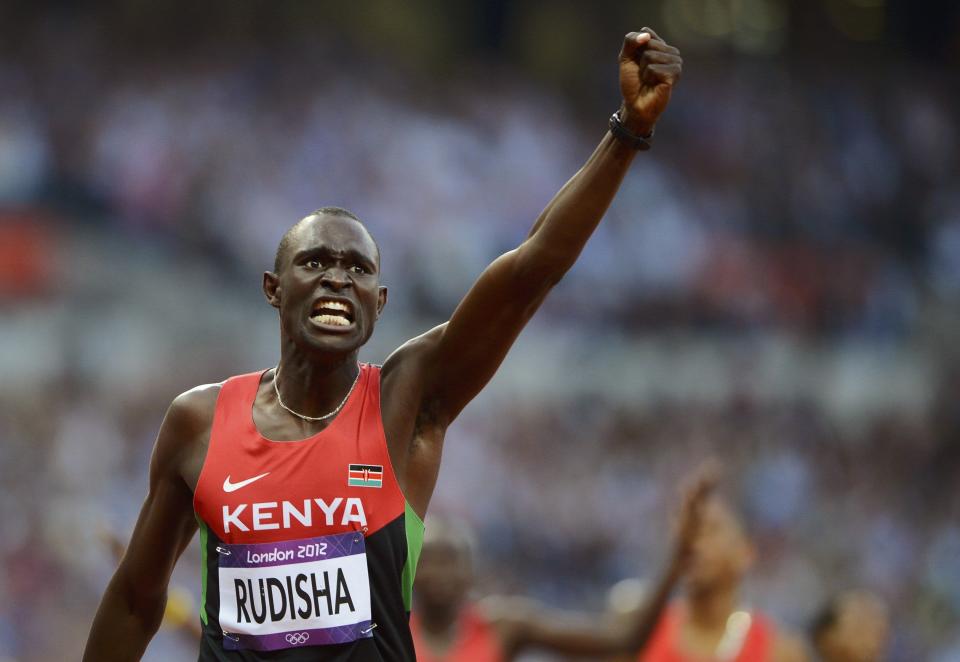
column 659, row 57
column 658, row 61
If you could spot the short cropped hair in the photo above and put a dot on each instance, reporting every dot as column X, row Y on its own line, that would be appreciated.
column 284, row 246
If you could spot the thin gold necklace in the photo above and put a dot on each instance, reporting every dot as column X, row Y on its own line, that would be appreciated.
column 276, row 389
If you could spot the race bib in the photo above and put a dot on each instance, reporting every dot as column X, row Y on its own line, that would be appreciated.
column 310, row 592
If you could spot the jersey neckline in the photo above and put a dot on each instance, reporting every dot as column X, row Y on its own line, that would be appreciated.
column 251, row 398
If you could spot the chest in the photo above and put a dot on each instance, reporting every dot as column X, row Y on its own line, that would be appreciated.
column 254, row 488
column 254, row 492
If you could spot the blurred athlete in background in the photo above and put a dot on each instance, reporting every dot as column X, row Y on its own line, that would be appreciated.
column 448, row 627
column 709, row 623
column 308, row 482
column 852, row 627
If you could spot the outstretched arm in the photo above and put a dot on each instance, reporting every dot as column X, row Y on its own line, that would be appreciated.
column 463, row 354
column 132, row 606
column 522, row 624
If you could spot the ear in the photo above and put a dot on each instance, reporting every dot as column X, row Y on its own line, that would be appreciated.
column 271, row 288
column 381, row 300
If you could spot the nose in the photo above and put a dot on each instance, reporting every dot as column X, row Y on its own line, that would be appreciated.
column 334, row 278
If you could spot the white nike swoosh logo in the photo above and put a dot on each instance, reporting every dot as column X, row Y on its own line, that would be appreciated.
column 233, row 487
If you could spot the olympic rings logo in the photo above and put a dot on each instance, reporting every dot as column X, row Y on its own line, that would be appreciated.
column 297, row 638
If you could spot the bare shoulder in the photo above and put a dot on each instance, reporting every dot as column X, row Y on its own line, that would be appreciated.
column 788, row 647
column 185, row 430
column 194, row 408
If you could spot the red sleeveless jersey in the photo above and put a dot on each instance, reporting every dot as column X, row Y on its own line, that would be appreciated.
column 664, row 646
column 477, row 641
column 309, row 547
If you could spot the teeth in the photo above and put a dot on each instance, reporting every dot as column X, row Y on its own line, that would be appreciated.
column 333, row 320
column 334, row 305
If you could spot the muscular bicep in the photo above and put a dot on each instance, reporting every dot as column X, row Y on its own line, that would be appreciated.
column 472, row 345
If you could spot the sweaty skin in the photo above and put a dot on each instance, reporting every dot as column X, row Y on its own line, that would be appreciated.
column 424, row 384
column 445, row 577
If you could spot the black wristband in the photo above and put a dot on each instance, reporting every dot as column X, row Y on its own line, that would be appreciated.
column 627, row 137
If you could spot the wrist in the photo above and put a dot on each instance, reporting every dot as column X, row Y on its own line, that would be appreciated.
column 632, row 138
column 636, row 125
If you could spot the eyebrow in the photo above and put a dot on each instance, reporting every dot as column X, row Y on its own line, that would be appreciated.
column 324, row 251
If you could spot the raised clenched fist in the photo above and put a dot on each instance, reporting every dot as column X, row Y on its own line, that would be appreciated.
column 649, row 68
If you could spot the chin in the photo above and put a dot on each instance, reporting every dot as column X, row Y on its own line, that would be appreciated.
column 332, row 343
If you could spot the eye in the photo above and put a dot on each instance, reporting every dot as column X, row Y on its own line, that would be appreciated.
column 358, row 269
column 313, row 263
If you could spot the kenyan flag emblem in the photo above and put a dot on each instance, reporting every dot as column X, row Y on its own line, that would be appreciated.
column 365, row 475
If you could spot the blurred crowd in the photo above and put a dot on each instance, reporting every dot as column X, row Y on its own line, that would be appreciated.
column 823, row 206
column 783, row 204
column 828, row 508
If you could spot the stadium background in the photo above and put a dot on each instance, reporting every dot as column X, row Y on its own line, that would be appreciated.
column 776, row 283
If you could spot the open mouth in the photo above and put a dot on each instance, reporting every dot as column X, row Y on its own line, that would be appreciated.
column 332, row 312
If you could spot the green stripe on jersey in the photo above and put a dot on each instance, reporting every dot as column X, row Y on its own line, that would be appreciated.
column 414, row 528
column 360, row 482
column 203, row 570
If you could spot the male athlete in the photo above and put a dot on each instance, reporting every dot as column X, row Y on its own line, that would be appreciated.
column 448, row 627
column 308, row 482
column 710, row 623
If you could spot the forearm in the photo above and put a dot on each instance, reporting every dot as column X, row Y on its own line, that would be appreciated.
column 566, row 633
column 121, row 630
column 564, row 226
column 583, row 635
column 697, row 489
column 649, row 68
column 647, row 617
